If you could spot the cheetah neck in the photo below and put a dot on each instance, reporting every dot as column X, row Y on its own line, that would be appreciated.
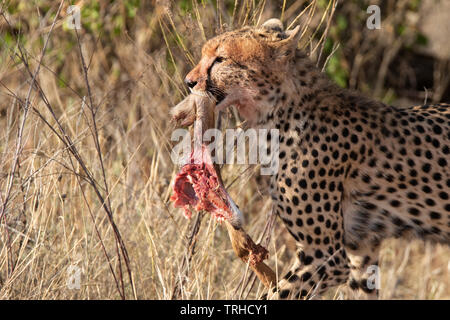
column 304, row 89
column 307, row 93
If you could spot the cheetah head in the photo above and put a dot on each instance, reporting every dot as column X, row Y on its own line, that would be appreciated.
column 245, row 67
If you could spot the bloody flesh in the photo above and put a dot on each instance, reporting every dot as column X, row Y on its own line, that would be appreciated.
column 198, row 186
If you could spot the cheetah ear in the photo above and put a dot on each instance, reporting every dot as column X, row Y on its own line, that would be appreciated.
column 286, row 47
column 273, row 25
column 293, row 34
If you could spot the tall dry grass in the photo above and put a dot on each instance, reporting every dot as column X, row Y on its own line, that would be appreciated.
column 85, row 166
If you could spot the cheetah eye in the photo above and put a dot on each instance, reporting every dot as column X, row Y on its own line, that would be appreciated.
column 219, row 60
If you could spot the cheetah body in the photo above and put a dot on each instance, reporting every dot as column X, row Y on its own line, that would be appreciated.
column 353, row 171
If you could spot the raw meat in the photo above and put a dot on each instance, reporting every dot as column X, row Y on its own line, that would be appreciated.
column 198, row 186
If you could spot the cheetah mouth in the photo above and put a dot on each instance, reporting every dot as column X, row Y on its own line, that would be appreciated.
column 219, row 97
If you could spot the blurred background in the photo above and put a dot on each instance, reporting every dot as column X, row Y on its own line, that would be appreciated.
column 85, row 166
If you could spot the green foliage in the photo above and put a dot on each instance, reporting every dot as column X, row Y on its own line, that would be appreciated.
column 400, row 30
column 118, row 24
column 132, row 7
column 421, row 39
column 322, row 4
column 336, row 71
column 389, row 97
column 90, row 17
column 414, row 5
column 8, row 40
column 336, row 68
column 341, row 22
column 185, row 6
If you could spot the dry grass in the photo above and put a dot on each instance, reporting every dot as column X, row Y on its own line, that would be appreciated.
column 92, row 151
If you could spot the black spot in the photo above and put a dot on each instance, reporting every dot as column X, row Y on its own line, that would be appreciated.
column 288, row 222
column 426, row 167
column 288, row 182
column 308, row 260
column 289, row 141
column 368, row 205
column 335, row 154
column 316, row 197
column 437, row 129
column 345, row 132
column 306, row 276
column 435, row 215
column 302, row 183
column 443, row 195
column 284, row 294
column 395, row 203
column 417, row 141
column 366, row 178
column 303, row 294
column 437, row 176
column 336, row 208
column 337, row 272
column 308, row 208
column 354, row 285
column 412, row 195
column 378, row 226
column 442, row 162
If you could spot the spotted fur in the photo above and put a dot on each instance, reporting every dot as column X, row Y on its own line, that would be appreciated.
column 353, row 171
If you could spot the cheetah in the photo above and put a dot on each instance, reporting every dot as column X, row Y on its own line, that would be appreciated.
column 353, row 171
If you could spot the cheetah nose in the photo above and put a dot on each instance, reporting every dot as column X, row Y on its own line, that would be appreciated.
column 190, row 83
